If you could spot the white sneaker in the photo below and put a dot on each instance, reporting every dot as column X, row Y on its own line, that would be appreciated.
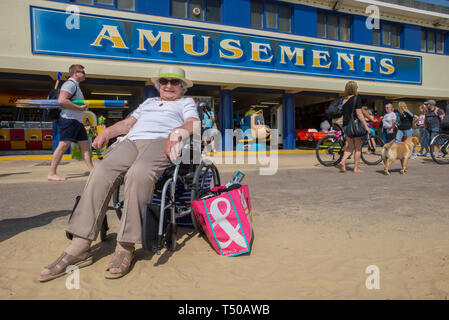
column 413, row 156
column 428, row 154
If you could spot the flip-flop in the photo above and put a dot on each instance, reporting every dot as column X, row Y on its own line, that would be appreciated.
column 122, row 259
column 59, row 267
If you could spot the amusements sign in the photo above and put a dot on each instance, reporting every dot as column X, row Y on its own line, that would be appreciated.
column 104, row 37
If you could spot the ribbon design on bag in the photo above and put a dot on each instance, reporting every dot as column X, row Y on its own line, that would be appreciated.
column 225, row 225
column 245, row 206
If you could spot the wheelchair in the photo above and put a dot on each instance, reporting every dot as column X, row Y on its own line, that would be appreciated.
column 179, row 184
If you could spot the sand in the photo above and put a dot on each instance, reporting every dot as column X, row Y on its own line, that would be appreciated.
column 303, row 248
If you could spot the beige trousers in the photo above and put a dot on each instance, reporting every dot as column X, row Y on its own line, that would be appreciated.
column 140, row 162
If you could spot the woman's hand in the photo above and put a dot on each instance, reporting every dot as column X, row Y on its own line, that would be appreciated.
column 173, row 145
column 100, row 141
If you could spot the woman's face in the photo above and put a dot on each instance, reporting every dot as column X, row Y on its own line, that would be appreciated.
column 170, row 89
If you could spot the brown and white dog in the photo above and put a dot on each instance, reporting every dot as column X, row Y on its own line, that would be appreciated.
column 398, row 150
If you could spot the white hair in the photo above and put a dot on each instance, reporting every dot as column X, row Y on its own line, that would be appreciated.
column 183, row 85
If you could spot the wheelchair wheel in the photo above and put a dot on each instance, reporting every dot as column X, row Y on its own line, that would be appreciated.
column 170, row 237
column 104, row 229
column 118, row 205
column 77, row 200
column 206, row 177
column 150, row 223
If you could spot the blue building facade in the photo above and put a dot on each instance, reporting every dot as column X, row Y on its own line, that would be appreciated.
column 291, row 52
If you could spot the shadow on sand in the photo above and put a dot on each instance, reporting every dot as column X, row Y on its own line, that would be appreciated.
column 11, row 227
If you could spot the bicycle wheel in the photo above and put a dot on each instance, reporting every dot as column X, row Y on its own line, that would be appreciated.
column 329, row 150
column 439, row 148
column 372, row 153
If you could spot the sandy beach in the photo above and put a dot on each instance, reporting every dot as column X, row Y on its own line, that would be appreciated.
column 316, row 232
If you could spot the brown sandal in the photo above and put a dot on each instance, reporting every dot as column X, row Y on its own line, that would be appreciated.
column 59, row 267
column 122, row 259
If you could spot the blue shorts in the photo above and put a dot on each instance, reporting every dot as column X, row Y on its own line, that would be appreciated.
column 71, row 130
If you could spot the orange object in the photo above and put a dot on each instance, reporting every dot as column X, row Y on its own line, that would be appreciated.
column 33, row 139
column 47, row 139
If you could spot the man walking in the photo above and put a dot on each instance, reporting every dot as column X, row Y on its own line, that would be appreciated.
column 432, row 120
column 70, row 121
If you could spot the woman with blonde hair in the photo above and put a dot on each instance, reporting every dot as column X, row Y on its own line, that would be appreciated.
column 405, row 124
column 422, row 130
column 352, row 109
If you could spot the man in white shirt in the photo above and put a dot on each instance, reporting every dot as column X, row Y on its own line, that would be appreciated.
column 70, row 122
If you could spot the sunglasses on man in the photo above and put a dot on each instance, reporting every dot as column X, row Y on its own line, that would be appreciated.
column 173, row 82
column 81, row 71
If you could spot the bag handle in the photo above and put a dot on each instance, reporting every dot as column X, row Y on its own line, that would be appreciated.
column 353, row 107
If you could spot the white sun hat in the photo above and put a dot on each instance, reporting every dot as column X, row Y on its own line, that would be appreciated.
column 174, row 73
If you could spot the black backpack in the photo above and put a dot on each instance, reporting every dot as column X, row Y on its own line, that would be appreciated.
column 335, row 109
column 53, row 114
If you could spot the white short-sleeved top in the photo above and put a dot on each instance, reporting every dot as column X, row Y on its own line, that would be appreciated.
column 72, row 87
column 156, row 118
column 388, row 119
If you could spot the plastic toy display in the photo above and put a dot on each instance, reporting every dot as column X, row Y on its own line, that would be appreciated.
column 254, row 130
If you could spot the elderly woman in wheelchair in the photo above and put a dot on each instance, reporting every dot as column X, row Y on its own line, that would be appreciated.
column 153, row 135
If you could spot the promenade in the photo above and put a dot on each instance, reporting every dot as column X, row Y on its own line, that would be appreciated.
column 316, row 232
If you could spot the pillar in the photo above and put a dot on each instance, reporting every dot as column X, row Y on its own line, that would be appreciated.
column 288, row 110
column 149, row 92
column 226, row 119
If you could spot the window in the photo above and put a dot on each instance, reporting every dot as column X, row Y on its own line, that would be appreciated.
column 321, row 25
column 388, row 35
column 119, row 4
column 334, row 26
column 179, row 8
column 285, row 19
column 432, row 41
column 196, row 9
column 256, row 14
column 126, row 4
column 271, row 15
column 203, row 10
column 271, row 18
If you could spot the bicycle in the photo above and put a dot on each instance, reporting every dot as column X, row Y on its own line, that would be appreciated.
column 330, row 149
column 439, row 148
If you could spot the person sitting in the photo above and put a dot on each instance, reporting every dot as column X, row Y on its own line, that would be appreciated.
column 153, row 135
column 325, row 126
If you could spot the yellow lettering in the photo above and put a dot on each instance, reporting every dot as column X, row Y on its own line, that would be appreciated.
column 188, row 45
column 226, row 44
column 348, row 58
column 163, row 37
column 388, row 64
column 298, row 52
column 113, row 36
column 257, row 48
column 367, row 62
column 318, row 56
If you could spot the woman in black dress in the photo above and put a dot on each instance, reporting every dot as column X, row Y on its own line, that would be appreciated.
column 352, row 107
